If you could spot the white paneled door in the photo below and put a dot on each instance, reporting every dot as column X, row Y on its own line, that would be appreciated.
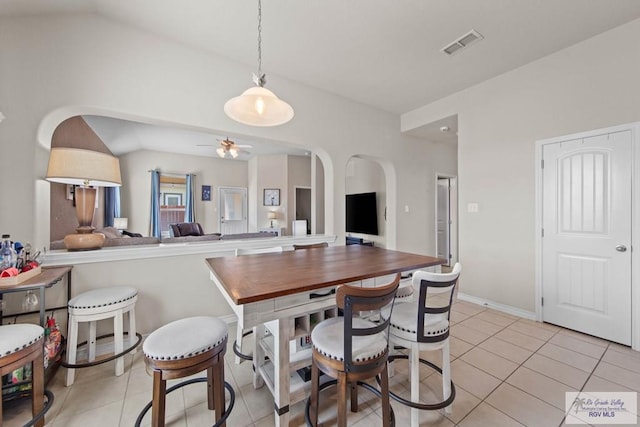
column 586, row 243
column 232, row 210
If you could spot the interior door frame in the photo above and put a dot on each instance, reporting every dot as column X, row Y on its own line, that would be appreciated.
column 311, row 225
column 245, row 206
column 453, row 215
column 635, row 220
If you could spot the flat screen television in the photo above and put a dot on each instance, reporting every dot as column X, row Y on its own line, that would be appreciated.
column 362, row 213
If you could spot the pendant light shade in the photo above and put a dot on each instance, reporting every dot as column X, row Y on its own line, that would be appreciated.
column 258, row 106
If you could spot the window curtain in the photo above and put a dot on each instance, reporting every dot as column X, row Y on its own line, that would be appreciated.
column 189, row 211
column 111, row 205
column 154, row 226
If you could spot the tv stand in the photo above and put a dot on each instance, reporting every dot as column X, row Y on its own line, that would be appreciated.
column 358, row 241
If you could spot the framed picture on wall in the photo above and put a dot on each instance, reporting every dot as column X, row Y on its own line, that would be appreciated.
column 271, row 197
column 206, row 193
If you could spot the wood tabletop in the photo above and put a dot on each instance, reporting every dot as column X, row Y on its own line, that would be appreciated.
column 253, row 278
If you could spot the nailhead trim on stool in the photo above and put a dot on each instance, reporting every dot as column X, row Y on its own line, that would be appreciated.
column 184, row 348
column 102, row 297
column 185, row 338
column 92, row 306
column 18, row 337
column 328, row 339
column 23, row 345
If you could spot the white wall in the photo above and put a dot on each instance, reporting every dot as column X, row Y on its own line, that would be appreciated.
column 136, row 184
column 272, row 174
column 591, row 85
column 55, row 67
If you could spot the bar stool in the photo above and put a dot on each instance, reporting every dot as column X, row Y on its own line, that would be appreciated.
column 423, row 325
column 20, row 345
column 405, row 289
column 100, row 304
column 183, row 348
column 353, row 348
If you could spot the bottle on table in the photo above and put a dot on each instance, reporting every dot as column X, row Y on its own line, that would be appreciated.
column 7, row 252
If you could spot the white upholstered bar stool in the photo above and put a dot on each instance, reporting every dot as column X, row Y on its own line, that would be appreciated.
column 20, row 345
column 423, row 325
column 100, row 304
column 183, row 348
column 240, row 331
column 405, row 290
column 352, row 348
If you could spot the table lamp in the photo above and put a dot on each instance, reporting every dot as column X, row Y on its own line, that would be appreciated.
column 88, row 170
column 271, row 216
column 120, row 223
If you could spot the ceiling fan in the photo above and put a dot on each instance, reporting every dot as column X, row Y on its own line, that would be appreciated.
column 228, row 148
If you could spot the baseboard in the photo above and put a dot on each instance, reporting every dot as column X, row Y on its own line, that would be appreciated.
column 107, row 347
column 497, row 306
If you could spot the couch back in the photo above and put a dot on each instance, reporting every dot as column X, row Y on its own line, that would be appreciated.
column 186, row 229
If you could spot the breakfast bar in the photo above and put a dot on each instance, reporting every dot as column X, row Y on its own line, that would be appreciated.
column 278, row 289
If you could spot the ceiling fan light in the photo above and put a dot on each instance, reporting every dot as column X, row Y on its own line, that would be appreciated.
column 258, row 106
column 234, row 152
column 220, row 152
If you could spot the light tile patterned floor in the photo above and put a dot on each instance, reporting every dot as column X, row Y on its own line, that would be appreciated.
column 508, row 372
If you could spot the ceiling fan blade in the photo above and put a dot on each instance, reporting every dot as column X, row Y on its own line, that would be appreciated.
column 243, row 145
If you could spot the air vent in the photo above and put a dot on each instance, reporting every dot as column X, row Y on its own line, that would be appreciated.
column 464, row 41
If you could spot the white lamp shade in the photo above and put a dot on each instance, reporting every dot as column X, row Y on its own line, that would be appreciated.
column 271, row 215
column 120, row 223
column 83, row 167
column 258, row 106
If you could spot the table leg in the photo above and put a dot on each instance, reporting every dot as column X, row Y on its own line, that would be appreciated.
column 281, row 374
column 42, row 307
column 239, row 336
column 258, row 355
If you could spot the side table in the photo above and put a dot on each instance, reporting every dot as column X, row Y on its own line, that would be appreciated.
column 46, row 279
column 49, row 277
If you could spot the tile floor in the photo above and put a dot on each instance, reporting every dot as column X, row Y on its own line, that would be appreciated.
column 507, row 371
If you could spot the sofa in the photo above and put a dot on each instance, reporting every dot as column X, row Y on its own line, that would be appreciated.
column 186, row 234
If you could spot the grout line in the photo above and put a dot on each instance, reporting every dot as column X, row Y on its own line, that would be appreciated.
column 587, row 380
column 241, row 398
column 508, row 376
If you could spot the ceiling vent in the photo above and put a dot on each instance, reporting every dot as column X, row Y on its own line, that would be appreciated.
column 464, row 41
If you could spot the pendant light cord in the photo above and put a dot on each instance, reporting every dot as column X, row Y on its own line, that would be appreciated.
column 259, row 37
column 259, row 79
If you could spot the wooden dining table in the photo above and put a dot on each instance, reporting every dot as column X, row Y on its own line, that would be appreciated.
column 279, row 289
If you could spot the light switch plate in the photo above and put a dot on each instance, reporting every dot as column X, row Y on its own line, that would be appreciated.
column 472, row 207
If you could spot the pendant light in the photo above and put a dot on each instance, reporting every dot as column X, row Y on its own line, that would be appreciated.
column 258, row 106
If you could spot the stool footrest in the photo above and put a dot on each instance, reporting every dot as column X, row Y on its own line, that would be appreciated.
column 419, row 405
column 372, row 389
column 236, row 348
column 43, row 411
column 225, row 414
column 108, row 359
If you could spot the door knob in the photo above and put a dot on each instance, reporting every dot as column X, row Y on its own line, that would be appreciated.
column 621, row 248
